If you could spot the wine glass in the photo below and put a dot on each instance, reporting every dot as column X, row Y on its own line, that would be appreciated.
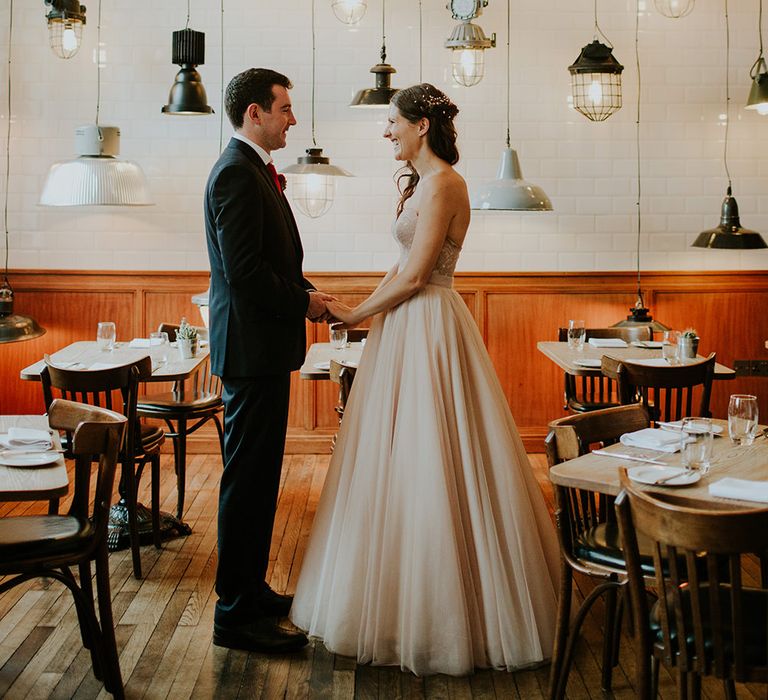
column 105, row 335
column 576, row 334
column 742, row 418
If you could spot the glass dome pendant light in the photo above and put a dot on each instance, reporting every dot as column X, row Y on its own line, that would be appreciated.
column 596, row 79
column 509, row 191
column 758, row 95
column 674, row 9
column 13, row 326
column 349, row 11
column 188, row 96
column 96, row 176
column 638, row 314
column 65, row 26
column 313, row 188
column 380, row 95
column 729, row 234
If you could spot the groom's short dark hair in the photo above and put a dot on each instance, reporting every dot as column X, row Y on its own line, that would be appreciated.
column 252, row 86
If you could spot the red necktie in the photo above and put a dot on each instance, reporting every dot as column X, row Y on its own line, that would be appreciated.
column 275, row 177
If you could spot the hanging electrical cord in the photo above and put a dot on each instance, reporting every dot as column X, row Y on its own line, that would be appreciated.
column 727, row 93
column 8, row 145
column 421, row 43
column 637, row 145
column 221, row 111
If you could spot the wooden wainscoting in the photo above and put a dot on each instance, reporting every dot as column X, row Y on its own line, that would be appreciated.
column 512, row 310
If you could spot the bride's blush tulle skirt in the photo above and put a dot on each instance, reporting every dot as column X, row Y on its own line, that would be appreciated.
column 432, row 548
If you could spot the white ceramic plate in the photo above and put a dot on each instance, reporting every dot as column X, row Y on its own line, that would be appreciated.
column 648, row 344
column 324, row 365
column 651, row 475
column 11, row 458
column 587, row 362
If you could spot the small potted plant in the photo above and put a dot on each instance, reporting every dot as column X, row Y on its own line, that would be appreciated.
column 688, row 344
column 186, row 339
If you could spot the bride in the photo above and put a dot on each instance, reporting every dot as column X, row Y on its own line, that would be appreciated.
column 432, row 548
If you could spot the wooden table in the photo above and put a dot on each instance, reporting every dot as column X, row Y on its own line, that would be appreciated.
column 324, row 352
column 601, row 474
column 32, row 483
column 565, row 358
column 84, row 354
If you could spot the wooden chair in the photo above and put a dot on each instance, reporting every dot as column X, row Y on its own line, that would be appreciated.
column 35, row 546
column 667, row 392
column 343, row 375
column 118, row 386
column 589, row 537
column 355, row 335
column 186, row 408
column 592, row 393
column 704, row 597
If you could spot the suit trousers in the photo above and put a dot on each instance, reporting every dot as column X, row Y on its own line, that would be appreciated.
column 255, row 424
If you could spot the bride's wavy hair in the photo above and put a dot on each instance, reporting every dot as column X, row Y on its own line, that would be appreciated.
column 419, row 102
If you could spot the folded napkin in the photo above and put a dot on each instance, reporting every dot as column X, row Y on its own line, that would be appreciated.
column 607, row 343
column 140, row 343
column 652, row 439
column 27, row 438
column 741, row 489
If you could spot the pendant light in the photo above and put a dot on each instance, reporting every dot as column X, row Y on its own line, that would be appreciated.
column 187, row 96
column 96, row 176
column 13, row 326
column 468, row 42
column 509, row 191
column 65, row 26
column 758, row 95
column 313, row 188
column 381, row 94
column 596, row 79
column 729, row 233
column 674, row 9
column 349, row 11
column 638, row 314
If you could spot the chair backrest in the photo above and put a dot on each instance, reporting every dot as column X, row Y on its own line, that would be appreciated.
column 202, row 380
column 343, row 375
column 668, row 392
column 115, row 388
column 699, row 559
column 355, row 335
column 95, row 432
column 630, row 334
column 573, row 436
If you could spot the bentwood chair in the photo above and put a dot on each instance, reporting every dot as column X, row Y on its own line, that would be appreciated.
column 668, row 392
column 589, row 538
column 711, row 576
column 186, row 408
column 118, row 386
column 592, row 393
column 35, row 546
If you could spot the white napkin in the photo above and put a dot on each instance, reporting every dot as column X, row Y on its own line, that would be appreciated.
column 27, row 438
column 140, row 343
column 653, row 439
column 741, row 489
column 104, row 365
column 607, row 343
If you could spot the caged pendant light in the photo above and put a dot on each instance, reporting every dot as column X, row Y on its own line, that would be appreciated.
column 728, row 233
column 758, row 94
column 381, row 94
column 65, row 26
column 509, row 191
column 596, row 79
column 349, row 11
column 187, row 96
column 468, row 42
column 96, row 176
column 674, row 9
column 638, row 314
column 313, row 188
column 13, row 326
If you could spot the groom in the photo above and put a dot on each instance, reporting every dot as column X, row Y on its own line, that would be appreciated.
column 258, row 301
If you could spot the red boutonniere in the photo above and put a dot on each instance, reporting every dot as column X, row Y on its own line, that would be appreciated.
column 283, row 183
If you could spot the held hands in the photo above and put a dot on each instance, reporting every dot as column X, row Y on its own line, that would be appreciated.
column 346, row 316
column 317, row 311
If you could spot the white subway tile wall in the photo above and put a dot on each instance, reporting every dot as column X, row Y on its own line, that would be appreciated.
column 589, row 170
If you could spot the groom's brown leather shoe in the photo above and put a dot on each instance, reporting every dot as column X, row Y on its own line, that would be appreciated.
column 262, row 635
column 275, row 604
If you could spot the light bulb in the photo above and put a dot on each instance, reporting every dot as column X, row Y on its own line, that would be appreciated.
column 596, row 92
column 762, row 108
column 313, row 194
column 69, row 38
column 349, row 11
column 468, row 66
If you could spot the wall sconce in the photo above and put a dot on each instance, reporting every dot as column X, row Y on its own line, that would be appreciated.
column 468, row 42
column 65, row 26
column 349, row 11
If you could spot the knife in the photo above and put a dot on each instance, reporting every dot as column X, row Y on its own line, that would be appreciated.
column 621, row 455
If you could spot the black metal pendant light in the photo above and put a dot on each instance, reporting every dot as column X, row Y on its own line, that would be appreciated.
column 729, row 234
column 379, row 95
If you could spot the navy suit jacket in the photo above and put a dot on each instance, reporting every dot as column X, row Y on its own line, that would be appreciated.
column 259, row 296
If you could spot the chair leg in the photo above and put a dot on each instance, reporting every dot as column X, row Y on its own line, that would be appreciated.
column 130, row 497
column 655, row 666
column 220, row 431
column 730, row 689
column 561, row 629
column 609, row 635
column 53, row 506
column 181, row 465
column 155, row 469
column 113, row 681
